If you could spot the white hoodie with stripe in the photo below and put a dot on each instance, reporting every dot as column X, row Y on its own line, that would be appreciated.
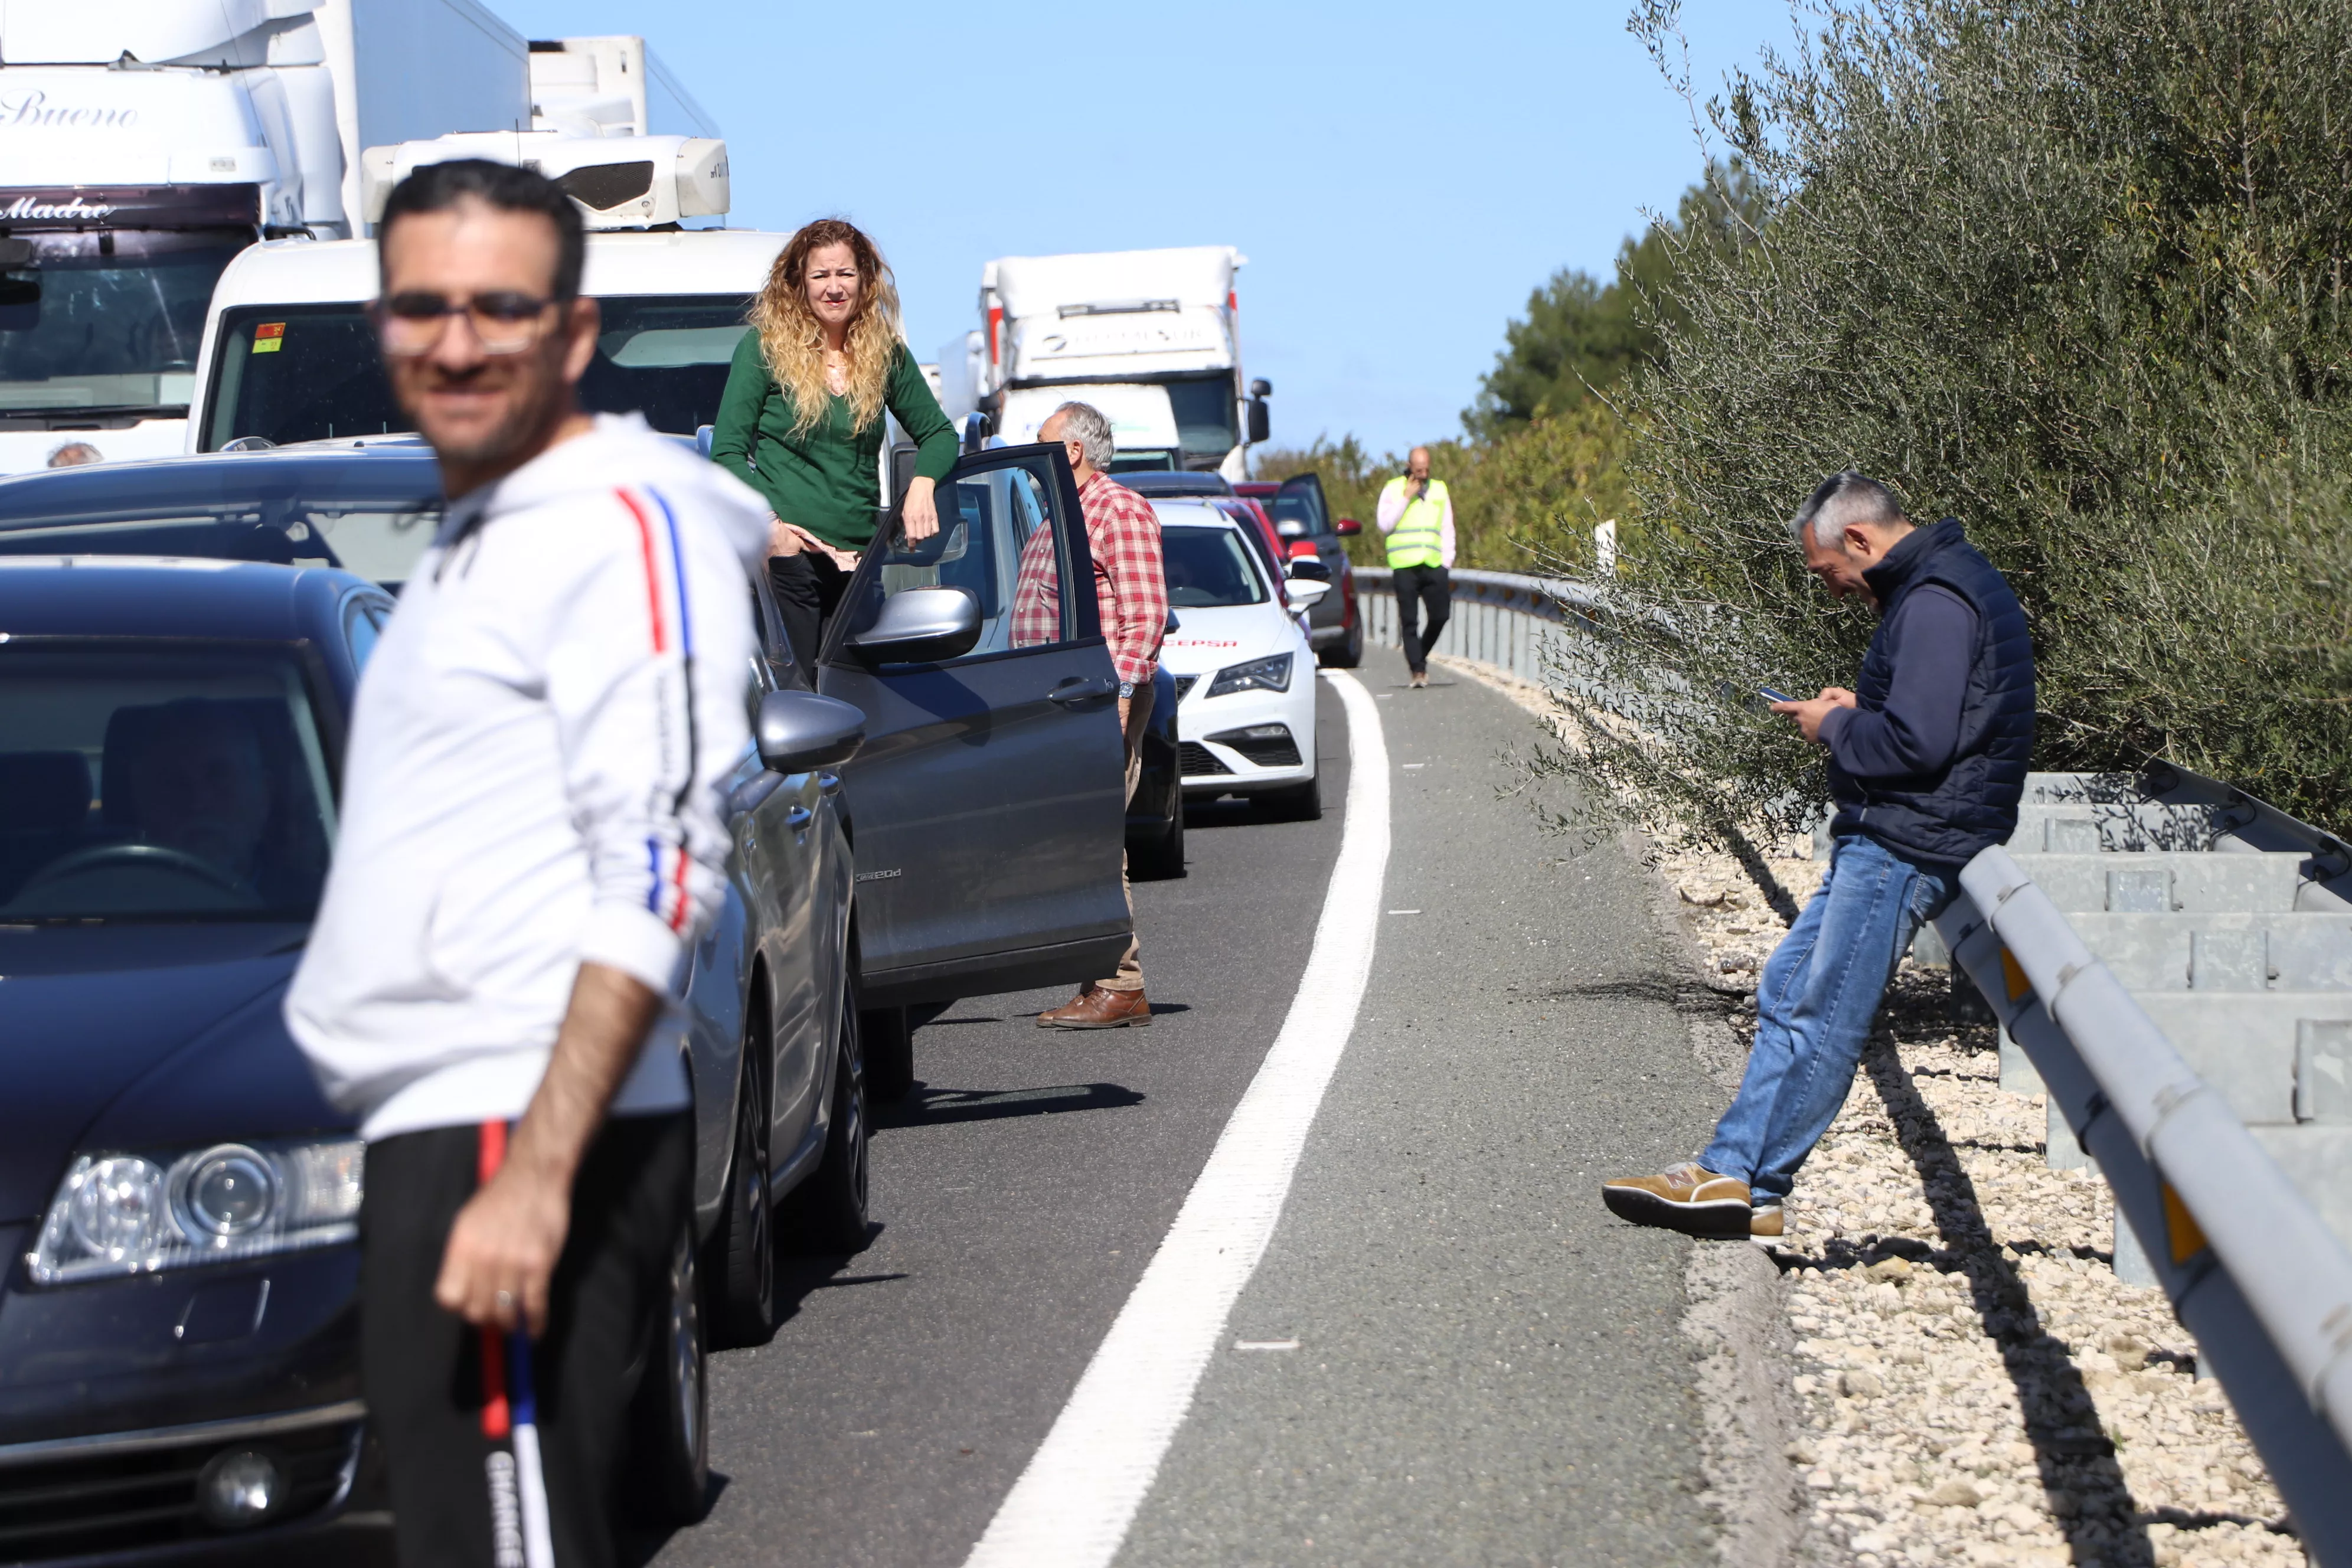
column 532, row 782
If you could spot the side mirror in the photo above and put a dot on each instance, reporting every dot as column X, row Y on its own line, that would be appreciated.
column 1261, row 388
column 798, row 731
column 1302, row 592
column 703, row 435
column 1350, row 527
column 1306, row 568
column 920, row 626
column 1172, row 627
column 1260, row 427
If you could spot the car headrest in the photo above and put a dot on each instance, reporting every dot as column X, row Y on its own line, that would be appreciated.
column 131, row 731
column 43, row 792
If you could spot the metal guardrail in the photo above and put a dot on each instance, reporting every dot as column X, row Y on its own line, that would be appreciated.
column 1514, row 623
column 2251, row 1268
column 2194, row 1038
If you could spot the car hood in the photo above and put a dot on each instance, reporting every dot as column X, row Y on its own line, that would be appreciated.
column 144, row 1038
column 1207, row 640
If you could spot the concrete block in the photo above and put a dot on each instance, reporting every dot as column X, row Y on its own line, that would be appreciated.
column 2248, row 1047
column 2092, row 827
column 2156, row 882
column 2063, row 1152
column 2317, row 1158
column 2268, row 951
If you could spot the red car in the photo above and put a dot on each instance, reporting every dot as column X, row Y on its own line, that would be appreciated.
column 1304, row 534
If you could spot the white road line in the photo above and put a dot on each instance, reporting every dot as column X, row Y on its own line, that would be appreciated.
column 1072, row 1507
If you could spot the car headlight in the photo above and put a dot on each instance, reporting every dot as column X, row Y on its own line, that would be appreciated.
column 131, row 1214
column 1257, row 675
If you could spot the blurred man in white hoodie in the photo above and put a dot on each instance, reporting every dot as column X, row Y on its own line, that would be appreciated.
column 530, row 843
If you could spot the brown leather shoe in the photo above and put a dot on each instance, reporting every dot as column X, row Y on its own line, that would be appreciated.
column 1096, row 1009
column 1688, row 1198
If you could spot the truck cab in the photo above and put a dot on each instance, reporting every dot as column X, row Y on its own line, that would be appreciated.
column 1152, row 338
column 289, row 354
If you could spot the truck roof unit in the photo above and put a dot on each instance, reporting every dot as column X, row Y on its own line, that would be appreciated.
column 633, row 181
column 609, row 86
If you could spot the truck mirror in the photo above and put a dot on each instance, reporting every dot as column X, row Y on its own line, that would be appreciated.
column 1260, row 427
column 1261, row 388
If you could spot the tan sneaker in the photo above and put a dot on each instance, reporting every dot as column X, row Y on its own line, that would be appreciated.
column 1688, row 1198
column 1764, row 1226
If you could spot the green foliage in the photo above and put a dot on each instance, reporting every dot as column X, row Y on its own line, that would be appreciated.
column 2070, row 270
column 1527, row 497
column 1580, row 335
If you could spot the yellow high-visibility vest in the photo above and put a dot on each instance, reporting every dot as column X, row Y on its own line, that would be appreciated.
column 1419, row 537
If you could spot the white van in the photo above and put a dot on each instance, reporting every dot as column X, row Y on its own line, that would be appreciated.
column 289, row 356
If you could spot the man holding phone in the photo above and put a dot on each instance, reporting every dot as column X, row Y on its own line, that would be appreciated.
column 1927, row 762
column 1417, row 514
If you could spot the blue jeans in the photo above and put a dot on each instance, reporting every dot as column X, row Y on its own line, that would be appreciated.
column 1821, row 990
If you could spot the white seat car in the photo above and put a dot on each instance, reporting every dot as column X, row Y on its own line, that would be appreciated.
column 1245, row 673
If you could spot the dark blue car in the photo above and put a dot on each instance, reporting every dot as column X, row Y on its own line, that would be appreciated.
column 176, row 1201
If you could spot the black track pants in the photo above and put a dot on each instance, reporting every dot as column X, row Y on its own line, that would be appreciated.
column 808, row 590
column 457, row 1492
column 1418, row 587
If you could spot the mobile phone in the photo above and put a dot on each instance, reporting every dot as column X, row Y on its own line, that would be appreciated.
column 1771, row 696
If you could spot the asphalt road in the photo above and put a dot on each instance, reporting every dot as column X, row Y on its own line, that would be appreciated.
column 1489, row 1368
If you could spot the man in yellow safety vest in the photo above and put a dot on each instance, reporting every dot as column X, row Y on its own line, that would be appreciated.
column 1417, row 514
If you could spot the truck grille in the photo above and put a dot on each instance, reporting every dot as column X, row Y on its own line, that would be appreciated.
column 112, row 1503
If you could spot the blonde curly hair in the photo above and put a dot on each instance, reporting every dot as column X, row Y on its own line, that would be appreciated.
column 793, row 343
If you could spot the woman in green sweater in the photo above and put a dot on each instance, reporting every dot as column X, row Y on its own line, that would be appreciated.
column 801, row 421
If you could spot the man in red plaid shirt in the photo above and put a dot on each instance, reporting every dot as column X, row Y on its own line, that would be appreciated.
column 1131, row 587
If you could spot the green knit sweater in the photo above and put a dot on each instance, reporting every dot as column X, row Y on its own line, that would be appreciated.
column 826, row 479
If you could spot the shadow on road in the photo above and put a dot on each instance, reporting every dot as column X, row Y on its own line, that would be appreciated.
column 930, row 1107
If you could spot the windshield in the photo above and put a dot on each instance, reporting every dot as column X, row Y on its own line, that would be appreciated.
column 106, row 320
column 1204, row 416
column 171, row 783
column 354, row 524
column 1208, row 568
column 309, row 372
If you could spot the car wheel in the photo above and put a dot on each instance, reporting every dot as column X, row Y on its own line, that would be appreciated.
column 889, row 1044
column 1163, row 858
column 1349, row 654
column 670, row 1420
column 742, row 1258
column 1298, row 803
column 829, row 1208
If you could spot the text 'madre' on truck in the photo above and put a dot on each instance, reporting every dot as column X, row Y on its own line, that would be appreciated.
column 1152, row 338
column 289, row 354
column 145, row 146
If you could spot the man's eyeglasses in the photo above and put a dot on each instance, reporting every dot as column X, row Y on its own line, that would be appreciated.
column 505, row 322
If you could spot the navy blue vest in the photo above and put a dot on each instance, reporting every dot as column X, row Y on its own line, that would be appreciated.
column 1972, row 803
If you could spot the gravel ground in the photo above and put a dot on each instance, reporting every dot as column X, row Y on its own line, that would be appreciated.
column 1974, row 1385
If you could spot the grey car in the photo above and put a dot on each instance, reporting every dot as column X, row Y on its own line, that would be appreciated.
column 987, row 804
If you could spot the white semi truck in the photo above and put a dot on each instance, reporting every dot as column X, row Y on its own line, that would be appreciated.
column 1150, row 337
column 145, row 143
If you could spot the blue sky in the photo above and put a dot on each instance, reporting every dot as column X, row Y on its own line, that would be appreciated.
column 1400, row 176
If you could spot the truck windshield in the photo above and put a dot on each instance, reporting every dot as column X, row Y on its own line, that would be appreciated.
column 106, row 320
column 309, row 372
column 1204, row 413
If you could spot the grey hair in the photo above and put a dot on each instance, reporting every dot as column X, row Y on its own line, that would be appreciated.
column 1085, row 424
column 1839, row 501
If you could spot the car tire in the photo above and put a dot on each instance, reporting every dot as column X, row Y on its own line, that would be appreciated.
column 669, row 1419
column 741, row 1264
column 1163, row 858
column 1349, row 654
column 889, row 1042
column 1296, row 802
column 829, row 1208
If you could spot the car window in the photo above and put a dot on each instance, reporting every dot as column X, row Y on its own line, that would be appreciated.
column 996, row 544
column 1209, row 568
column 1297, row 508
column 378, row 537
column 306, row 373
column 160, row 781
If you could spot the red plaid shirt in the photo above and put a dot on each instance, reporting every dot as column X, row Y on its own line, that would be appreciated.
column 1130, row 580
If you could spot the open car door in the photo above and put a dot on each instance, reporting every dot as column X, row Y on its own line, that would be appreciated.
column 987, row 808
